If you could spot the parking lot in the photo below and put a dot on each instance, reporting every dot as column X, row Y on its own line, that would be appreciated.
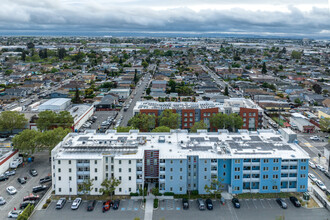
column 101, row 116
column 250, row 209
column 128, row 210
column 42, row 165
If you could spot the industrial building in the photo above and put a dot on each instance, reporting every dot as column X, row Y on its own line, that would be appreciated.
column 57, row 104
column 245, row 162
column 191, row 112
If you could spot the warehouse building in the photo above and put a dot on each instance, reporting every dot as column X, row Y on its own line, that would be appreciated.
column 57, row 104
column 180, row 162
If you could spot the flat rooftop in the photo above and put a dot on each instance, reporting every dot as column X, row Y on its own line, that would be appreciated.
column 179, row 144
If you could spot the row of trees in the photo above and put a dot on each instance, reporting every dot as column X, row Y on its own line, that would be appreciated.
column 169, row 120
column 109, row 186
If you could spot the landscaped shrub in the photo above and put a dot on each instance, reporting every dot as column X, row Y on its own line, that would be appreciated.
column 48, row 201
column 45, row 206
column 155, row 203
column 134, row 194
column 168, row 194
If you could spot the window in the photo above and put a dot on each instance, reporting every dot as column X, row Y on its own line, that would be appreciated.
column 59, row 178
column 274, row 187
column 69, row 161
column 266, row 160
column 185, row 124
column 265, row 187
column 96, row 190
column 180, row 177
column 275, row 176
column 275, row 168
column 237, row 161
column 95, row 178
column 237, row 177
column 171, row 161
column 69, row 170
column 205, row 161
column 95, row 161
column 191, row 114
column 119, row 161
column 171, row 189
column 70, row 189
column 59, row 189
column 171, row 177
column 119, row 170
column 180, row 189
column 106, row 159
column 244, row 119
column 148, row 162
column 155, row 161
column 171, row 169
column 302, row 186
column 224, row 173
column 236, row 188
column 151, row 154
column 265, row 168
column 303, row 160
column 129, row 189
column 237, row 169
column 205, row 177
column 224, row 166
column 70, row 178
column 111, row 159
column 181, row 161
column 244, row 114
column 95, row 170
column 107, row 175
column 185, row 114
column 254, row 114
column 129, row 161
column 180, row 169
column 250, row 114
column 205, row 169
column 59, row 162
column 129, row 170
column 59, row 170
column 129, row 178
column 303, row 175
column 265, row 177
column 106, row 167
column 190, row 124
column 119, row 189
column 303, row 167
column 119, row 177
column 185, row 119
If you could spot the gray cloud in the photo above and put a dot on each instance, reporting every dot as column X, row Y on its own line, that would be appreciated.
column 138, row 15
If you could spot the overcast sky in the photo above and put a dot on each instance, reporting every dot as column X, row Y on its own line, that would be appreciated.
column 299, row 17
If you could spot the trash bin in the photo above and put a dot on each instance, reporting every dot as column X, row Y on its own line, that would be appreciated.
column 306, row 196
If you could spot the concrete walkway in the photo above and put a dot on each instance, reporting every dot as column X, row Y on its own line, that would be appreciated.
column 43, row 200
column 149, row 208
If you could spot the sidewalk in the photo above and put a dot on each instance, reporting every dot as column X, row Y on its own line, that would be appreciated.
column 149, row 208
column 43, row 200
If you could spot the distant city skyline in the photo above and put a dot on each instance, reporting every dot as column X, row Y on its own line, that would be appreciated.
column 249, row 17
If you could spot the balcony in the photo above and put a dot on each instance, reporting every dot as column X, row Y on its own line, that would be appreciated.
column 246, row 171
column 162, row 172
column 162, row 180
column 255, row 171
column 214, row 171
column 82, row 164
column 80, row 181
column 139, row 164
column 139, row 172
column 138, row 180
column 83, row 173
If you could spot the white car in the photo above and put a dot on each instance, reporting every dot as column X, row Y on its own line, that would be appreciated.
column 11, row 190
column 312, row 177
column 315, row 138
column 76, row 203
column 311, row 164
column 320, row 184
column 320, row 168
column 2, row 201
column 14, row 213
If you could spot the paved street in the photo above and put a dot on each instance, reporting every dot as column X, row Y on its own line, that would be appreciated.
column 250, row 209
column 42, row 165
column 128, row 210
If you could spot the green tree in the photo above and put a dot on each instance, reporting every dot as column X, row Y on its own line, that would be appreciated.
column 298, row 102
column 295, row 55
column 172, row 85
column 61, row 53
column 30, row 45
column 148, row 91
column 136, row 79
column 49, row 139
column 49, row 119
column 26, row 141
column 161, row 129
column 109, row 186
column 155, row 191
column 54, row 70
column 86, row 187
column 169, row 119
column 143, row 122
column 317, row 88
column 198, row 126
column 8, row 72
column 325, row 124
column 125, row 129
column 231, row 122
column 76, row 98
column 10, row 120
column 226, row 91
column 264, row 69
column 215, row 187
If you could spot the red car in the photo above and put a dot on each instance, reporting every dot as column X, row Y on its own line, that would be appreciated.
column 107, row 205
column 31, row 197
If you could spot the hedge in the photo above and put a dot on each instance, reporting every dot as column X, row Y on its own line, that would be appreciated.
column 134, row 194
column 155, row 203
column 26, row 213
column 168, row 194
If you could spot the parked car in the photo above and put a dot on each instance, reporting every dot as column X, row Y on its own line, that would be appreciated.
column 45, row 179
column 76, row 203
column 311, row 164
column 31, row 197
column 185, row 204
column 315, row 138
column 295, row 201
column 91, row 205
column 235, row 202
column 327, row 174
column 116, row 204
column 201, row 204
column 3, row 177
column 2, row 201
column 327, row 192
column 11, row 190
column 107, row 205
column 24, row 204
column 312, row 177
column 39, row 188
column 321, row 168
column 10, row 172
column 321, row 185
column 14, row 213
column 33, row 172
column 282, row 203
column 209, row 204
column 60, row 203
column 21, row 180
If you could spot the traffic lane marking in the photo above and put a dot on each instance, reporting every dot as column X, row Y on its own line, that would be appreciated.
column 318, row 174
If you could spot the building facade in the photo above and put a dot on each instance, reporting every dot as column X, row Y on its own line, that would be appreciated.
column 180, row 162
